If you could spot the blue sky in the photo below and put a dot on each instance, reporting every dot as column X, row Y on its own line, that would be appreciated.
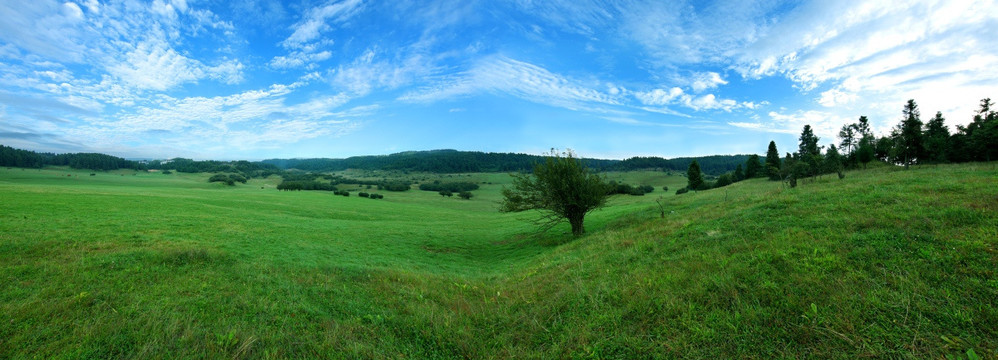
column 246, row 79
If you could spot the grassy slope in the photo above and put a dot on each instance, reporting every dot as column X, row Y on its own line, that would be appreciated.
column 884, row 263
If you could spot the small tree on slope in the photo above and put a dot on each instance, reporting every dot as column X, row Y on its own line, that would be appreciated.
column 561, row 187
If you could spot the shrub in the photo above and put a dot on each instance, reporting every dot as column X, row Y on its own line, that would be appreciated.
column 682, row 191
column 465, row 195
column 363, row 194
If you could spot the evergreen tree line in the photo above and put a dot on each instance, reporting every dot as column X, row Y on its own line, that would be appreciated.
column 12, row 157
column 910, row 142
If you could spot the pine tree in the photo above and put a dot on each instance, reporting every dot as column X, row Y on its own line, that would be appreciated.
column 752, row 167
column 833, row 161
column 773, row 162
column 866, row 150
column 808, row 152
column 937, row 139
column 849, row 139
column 694, row 178
column 908, row 135
column 739, row 173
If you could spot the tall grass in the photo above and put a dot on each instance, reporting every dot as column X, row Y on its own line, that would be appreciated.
column 885, row 263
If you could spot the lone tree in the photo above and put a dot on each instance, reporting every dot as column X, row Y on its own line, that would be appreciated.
column 561, row 187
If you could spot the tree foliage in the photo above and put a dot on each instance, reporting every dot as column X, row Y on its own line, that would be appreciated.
column 561, row 188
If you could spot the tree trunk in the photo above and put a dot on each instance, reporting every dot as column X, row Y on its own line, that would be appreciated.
column 577, row 228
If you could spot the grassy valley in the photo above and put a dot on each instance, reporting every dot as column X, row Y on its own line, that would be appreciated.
column 126, row 264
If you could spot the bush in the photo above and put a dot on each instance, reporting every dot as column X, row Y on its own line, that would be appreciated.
column 665, row 188
column 447, row 193
column 363, row 194
column 377, row 196
column 465, row 195
column 167, row 172
column 682, row 191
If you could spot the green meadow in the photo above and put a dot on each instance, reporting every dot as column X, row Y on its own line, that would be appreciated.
column 885, row 263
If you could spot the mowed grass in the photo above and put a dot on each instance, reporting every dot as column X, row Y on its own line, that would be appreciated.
column 885, row 263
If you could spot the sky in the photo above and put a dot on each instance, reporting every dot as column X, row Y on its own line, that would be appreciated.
column 245, row 79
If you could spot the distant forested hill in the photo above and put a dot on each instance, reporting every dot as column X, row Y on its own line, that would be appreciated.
column 436, row 161
column 29, row 159
column 453, row 161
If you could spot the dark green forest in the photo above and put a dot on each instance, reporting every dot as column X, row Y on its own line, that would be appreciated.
column 454, row 161
column 92, row 161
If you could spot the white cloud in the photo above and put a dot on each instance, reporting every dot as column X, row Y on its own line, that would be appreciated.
column 676, row 96
column 706, row 80
column 297, row 59
column 72, row 11
column 927, row 50
column 315, row 22
column 835, row 97
column 154, row 65
column 659, row 96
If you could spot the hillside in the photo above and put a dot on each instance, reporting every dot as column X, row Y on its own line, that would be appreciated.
column 884, row 263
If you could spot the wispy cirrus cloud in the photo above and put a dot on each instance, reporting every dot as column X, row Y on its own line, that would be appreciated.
column 318, row 19
column 527, row 81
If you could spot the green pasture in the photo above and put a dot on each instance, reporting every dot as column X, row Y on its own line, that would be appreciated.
column 885, row 263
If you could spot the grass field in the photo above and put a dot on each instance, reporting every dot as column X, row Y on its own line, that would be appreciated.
column 885, row 263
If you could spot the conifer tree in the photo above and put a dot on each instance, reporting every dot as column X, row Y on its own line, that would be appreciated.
column 694, row 178
column 937, row 139
column 908, row 136
column 773, row 162
column 752, row 167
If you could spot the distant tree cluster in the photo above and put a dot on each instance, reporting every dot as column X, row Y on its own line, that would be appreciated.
column 299, row 185
column 245, row 168
column 625, row 189
column 394, row 186
column 228, row 179
column 460, row 186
